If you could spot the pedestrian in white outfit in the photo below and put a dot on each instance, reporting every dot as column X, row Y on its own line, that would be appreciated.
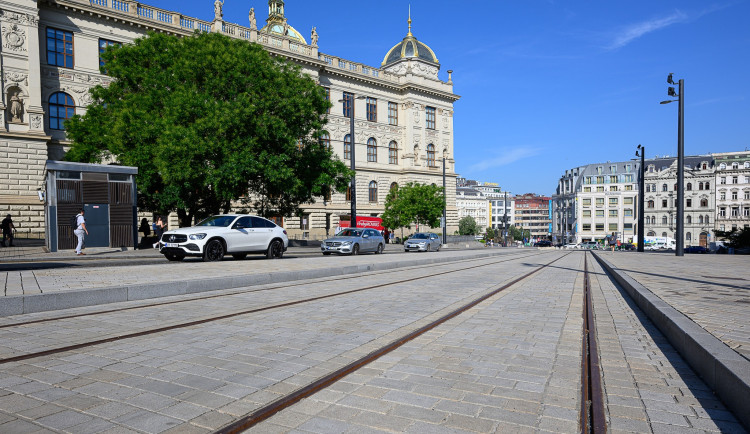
column 79, row 231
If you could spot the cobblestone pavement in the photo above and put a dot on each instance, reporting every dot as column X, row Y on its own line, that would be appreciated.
column 66, row 279
column 648, row 387
column 199, row 378
column 712, row 290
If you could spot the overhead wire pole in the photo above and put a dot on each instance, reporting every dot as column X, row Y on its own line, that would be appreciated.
column 680, row 224
column 445, row 205
column 641, row 197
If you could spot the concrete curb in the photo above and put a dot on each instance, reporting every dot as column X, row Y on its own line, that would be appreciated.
column 22, row 304
column 724, row 371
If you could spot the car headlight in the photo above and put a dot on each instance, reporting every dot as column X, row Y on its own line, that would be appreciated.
column 197, row 236
column 346, row 243
column 422, row 243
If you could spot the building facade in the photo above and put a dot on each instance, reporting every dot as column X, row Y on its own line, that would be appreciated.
column 732, row 190
column 472, row 203
column 660, row 200
column 532, row 213
column 403, row 121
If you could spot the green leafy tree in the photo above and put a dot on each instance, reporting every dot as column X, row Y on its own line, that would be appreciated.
column 489, row 234
column 467, row 226
column 413, row 203
column 208, row 120
column 515, row 232
column 737, row 238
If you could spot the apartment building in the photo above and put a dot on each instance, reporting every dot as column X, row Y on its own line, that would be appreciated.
column 532, row 212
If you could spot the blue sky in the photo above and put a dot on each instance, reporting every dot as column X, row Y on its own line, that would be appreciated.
column 547, row 85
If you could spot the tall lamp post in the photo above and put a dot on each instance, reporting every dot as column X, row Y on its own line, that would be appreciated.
column 445, row 205
column 641, row 152
column 350, row 99
column 679, row 236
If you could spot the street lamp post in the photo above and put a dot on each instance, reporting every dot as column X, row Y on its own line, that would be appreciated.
column 445, row 205
column 641, row 197
column 679, row 236
column 353, row 188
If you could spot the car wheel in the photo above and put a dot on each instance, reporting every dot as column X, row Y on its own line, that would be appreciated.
column 429, row 247
column 275, row 250
column 239, row 256
column 214, row 251
column 379, row 250
column 439, row 246
column 355, row 249
column 174, row 257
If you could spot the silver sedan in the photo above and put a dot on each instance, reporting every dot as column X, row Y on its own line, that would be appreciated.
column 423, row 242
column 353, row 242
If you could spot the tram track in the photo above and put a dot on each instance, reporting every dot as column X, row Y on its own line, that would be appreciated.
column 214, row 318
column 593, row 419
column 292, row 398
column 236, row 292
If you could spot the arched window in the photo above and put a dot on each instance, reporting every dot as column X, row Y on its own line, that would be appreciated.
column 735, row 166
column 664, row 220
column 747, row 164
column 373, row 196
column 348, row 147
column 704, row 203
column 689, row 186
column 430, row 155
column 663, row 234
column 689, row 219
column 700, row 186
column 706, row 220
column 372, row 150
column 394, row 186
column 664, row 187
column 325, row 140
column 651, row 233
column 393, row 153
column 61, row 108
column 700, row 219
column 650, row 203
column 706, row 187
column 723, row 166
column 688, row 236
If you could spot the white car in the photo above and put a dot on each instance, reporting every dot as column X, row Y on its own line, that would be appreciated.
column 235, row 234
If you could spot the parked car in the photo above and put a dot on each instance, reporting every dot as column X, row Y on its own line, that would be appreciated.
column 592, row 245
column 236, row 234
column 572, row 246
column 543, row 243
column 627, row 246
column 353, row 241
column 696, row 249
column 423, row 242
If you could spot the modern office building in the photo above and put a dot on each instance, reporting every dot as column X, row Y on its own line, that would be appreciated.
column 532, row 213
column 50, row 60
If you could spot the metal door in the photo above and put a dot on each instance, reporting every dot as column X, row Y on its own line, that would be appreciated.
column 97, row 223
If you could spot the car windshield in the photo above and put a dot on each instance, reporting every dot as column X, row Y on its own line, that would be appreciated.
column 420, row 236
column 218, row 220
column 350, row 233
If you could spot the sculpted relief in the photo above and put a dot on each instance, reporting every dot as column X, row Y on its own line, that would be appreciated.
column 14, row 38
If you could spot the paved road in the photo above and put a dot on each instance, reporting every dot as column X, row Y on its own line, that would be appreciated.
column 511, row 363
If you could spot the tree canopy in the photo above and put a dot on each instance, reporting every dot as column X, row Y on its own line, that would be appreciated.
column 208, row 120
column 468, row 226
column 413, row 203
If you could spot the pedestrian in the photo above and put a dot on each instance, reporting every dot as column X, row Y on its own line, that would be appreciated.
column 158, row 230
column 79, row 231
column 612, row 242
column 8, row 229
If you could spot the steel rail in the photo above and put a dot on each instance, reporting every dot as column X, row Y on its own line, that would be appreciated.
column 593, row 418
column 227, row 316
column 274, row 407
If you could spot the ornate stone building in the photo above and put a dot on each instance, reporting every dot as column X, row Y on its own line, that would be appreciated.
column 732, row 190
column 403, row 111
column 661, row 199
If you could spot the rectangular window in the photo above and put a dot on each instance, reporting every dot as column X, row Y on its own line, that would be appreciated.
column 628, row 212
column 722, row 212
column 587, row 227
column 372, row 109
column 628, row 168
column 600, row 227
column 747, row 195
column 430, row 116
column 723, row 195
column 392, row 113
column 723, row 180
column 613, row 179
column 587, row 189
column 612, row 169
column 348, row 104
column 628, row 226
column 735, row 211
column 599, row 201
column 627, row 200
column 613, row 201
column 600, row 180
column 586, row 202
column 103, row 44
column 629, row 187
column 613, row 227
column 600, row 189
column 600, row 213
column 689, row 203
column 589, row 179
column 613, row 213
column 587, row 213
column 328, row 97
column 735, row 180
column 734, row 195
column 628, row 178
column 613, row 188
column 59, row 48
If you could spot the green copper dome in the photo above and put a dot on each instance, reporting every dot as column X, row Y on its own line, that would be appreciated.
column 408, row 48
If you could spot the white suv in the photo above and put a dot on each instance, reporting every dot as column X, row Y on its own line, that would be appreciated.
column 236, row 234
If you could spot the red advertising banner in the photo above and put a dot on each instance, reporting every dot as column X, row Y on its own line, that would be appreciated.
column 365, row 222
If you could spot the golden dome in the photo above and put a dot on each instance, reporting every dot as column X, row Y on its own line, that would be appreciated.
column 410, row 48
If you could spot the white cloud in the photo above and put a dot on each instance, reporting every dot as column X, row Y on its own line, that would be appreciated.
column 505, row 157
column 635, row 31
